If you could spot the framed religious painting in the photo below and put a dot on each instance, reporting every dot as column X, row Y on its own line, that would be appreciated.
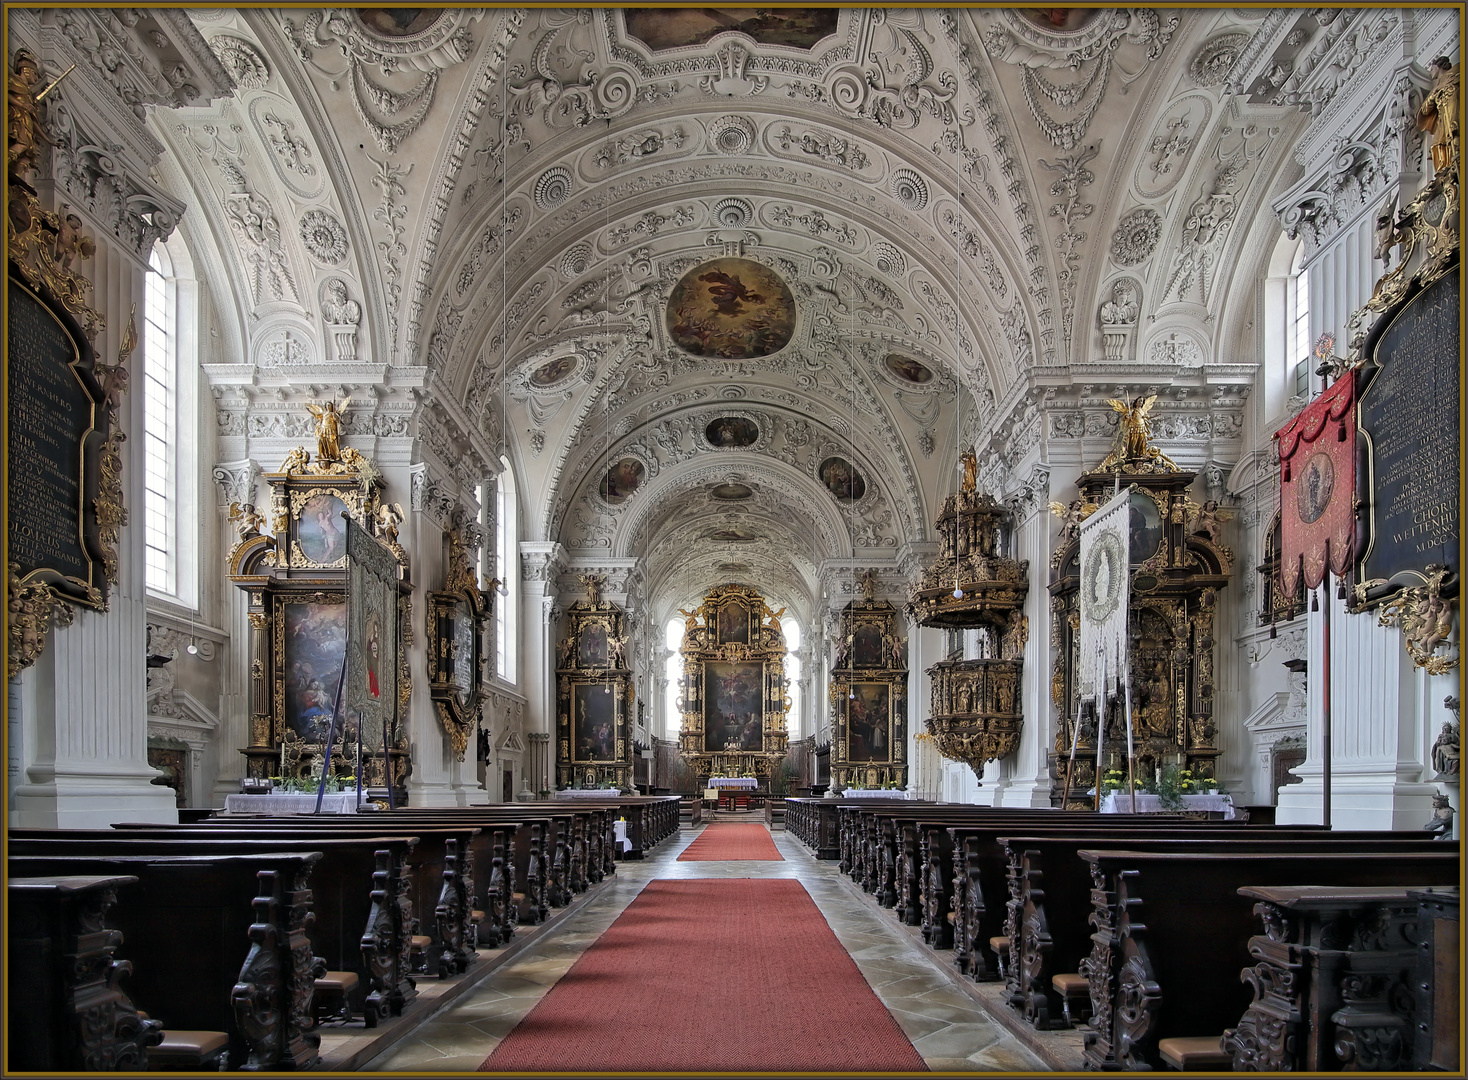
column 594, row 693
column 869, row 723
column 868, row 693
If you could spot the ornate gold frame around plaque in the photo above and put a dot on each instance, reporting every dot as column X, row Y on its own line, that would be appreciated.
column 1178, row 564
column 295, row 578
column 456, row 621
column 975, row 704
column 71, row 561
column 733, row 698
column 595, row 695
column 868, row 693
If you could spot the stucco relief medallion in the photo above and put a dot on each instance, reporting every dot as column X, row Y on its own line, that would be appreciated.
column 733, row 309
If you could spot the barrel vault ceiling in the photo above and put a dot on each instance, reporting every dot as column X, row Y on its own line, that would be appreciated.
column 511, row 198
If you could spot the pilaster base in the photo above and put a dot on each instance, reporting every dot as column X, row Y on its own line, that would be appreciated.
column 61, row 800
column 1374, row 800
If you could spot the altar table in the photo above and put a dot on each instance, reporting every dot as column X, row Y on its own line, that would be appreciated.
column 1118, row 802
column 333, row 802
column 876, row 793
column 733, row 782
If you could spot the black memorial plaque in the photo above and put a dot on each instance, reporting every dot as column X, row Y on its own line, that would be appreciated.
column 1409, row 412
column 53, row 413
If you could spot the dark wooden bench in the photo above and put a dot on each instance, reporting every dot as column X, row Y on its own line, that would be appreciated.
column 361, row 898
column 65, row 1004
column 1171, row 931
column 439, row 874
column 1049, row 893
column 221, row 942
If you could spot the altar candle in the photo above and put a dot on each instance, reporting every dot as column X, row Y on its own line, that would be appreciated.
column 282, row 759
column 1159, row 775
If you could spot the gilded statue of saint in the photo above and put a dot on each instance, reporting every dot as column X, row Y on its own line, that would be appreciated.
column 970, row 470
column 22, row 123
column 329, row 428
column 1134, row 434
column 1439, row 112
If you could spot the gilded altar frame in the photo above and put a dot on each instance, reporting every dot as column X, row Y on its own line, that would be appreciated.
column 456, row 622
column 868, row 693
column 594, row 694
column 292, row 567
column 733, row 700
column 1176, row 571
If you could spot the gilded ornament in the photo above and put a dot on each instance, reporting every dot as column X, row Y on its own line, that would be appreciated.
column 1438, row 115
column 1135, row 451
column 32, row 609
column 1426, row 619
column 328, row 429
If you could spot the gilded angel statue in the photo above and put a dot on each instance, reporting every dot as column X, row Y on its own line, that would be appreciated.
column 386, row 519
column 1134, row 434
column 1208, row 518
column 329, row 428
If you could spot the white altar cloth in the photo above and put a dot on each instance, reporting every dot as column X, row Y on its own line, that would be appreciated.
column 1117, row 802
column 876, row 793
column 733, row 782
column 589, row 793
column 333, row 802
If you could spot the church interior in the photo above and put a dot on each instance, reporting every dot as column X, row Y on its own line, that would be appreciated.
column 786, row 540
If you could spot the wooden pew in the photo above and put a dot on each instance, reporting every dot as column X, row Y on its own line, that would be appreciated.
column 361, row 897
column 1050, row 893
column 204, row 962
column 1162, row 917
column 65, row 1005
column 441, row 878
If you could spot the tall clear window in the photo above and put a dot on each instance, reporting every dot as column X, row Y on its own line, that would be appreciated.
column 1299, row 325
column 507, row 567
column 160, row 428
column 673, row 671
column 791, row 629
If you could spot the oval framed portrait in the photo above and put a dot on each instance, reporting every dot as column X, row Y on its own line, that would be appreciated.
column 320, row 530
column 841, row 479
column 1316, row 485
column 622, row 479
column 732, row 432
column 906, row 369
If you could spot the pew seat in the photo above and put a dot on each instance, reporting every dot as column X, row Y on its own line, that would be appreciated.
column 1000, row 945
column 1193, row 1054
column 1075, row 995
column 189, row 1051
column 418, row 945
column 332, row 1000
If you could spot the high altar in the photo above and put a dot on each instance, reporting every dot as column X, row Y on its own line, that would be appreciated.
column 734, row 691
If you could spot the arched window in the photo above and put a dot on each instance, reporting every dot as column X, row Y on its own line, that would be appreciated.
column 507, row 569
column 169, row 386
column 1286, row 341
column 791, row 629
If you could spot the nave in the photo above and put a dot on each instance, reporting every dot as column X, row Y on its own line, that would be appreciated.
column 945, row 1020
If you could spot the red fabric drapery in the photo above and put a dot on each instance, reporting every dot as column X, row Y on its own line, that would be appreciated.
column 1317, row 488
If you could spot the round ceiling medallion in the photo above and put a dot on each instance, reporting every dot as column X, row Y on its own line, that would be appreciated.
column 733, row 309
column 732, row 134
column 907, row 369
column 731, row 492
column 552, row 371
column 552, row 187
column 842, row 480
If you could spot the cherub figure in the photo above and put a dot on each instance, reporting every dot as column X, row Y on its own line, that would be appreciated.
column 386, row 519
column 328, row 428
column 247, row 522
column 1072, row 515
column 1209, row 518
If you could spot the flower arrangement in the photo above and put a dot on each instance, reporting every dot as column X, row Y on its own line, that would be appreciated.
column 1115, row 780
column 1172, row 784
column 308, row 785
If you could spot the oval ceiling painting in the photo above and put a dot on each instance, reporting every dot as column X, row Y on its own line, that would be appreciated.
column 907, row 369
column 622, row 479
column 733, row 431
column 842, row 480
column 552, row 371
column 732, row 309
column 399, row 22
column 731, row 492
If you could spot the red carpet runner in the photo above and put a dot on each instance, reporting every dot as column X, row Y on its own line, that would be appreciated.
column 736, row 974
column 720, row 843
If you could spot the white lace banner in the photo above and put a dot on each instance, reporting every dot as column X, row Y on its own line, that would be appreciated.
column 1105, row 594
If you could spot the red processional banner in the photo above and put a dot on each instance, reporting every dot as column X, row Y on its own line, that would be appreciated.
column 1317, row 488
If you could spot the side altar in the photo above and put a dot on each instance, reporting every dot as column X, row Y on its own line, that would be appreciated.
column 733, row 691
column 594, row 694
column 868, row 694
column 307, row 644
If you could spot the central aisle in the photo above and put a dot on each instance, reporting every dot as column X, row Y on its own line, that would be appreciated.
column 945, row 1025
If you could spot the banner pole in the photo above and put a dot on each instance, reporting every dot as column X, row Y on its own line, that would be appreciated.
column 1325, row 739
column 1075, row 737
column 1100, row 721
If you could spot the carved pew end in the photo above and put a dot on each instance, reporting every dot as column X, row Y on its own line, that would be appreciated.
column 476, row 917
column 1195, row 1054
column 1075, row 996
column 332, row 999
